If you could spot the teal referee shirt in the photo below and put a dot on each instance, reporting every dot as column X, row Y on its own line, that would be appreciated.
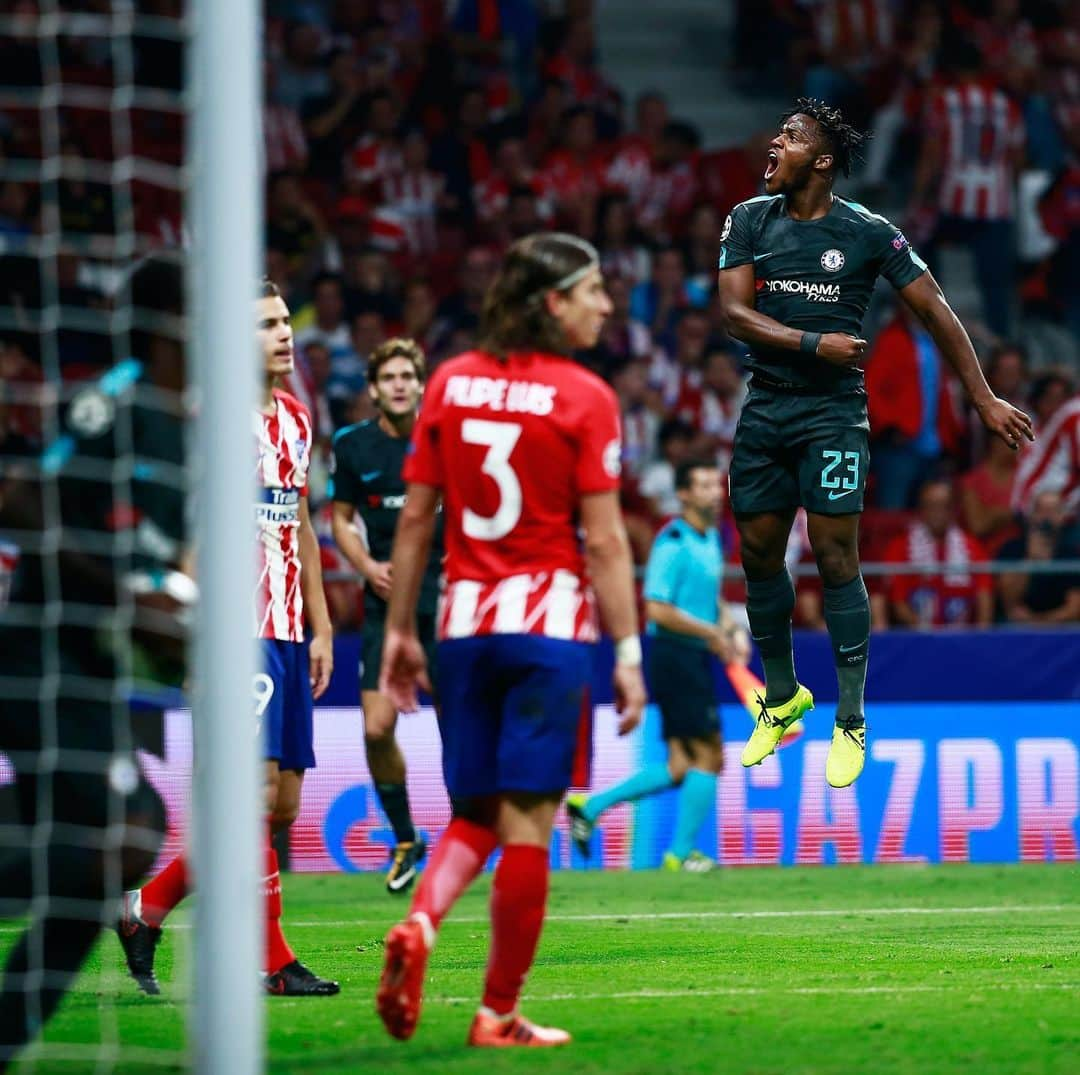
column 684, row 569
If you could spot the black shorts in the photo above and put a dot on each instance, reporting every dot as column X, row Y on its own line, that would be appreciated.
column 681, row 684
column 794, row 451
column 371, row 654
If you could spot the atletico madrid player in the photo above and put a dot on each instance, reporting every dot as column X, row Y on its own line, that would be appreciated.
column 522, row 446
column 289, row 586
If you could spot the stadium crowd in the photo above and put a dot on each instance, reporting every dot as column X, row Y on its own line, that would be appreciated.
column 408, row 142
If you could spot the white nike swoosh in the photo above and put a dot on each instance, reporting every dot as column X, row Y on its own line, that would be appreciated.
column 836, row 496
column 762, row 257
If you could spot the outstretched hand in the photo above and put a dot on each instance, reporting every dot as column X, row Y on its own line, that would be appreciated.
column 1006, row 421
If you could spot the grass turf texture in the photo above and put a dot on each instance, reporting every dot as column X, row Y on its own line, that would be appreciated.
column 754, row 971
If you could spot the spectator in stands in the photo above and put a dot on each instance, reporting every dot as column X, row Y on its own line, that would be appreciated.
column 460, row 154
column 629, row 378
column 973, row 147
column 1049, row 392
column 413, row 197
column 947, row 592
column 309, row 383
column 673, row 189
column 702, row 241
column 370, row 284
column 1052, row 463
column 323, row 321
column 513, row 170
column 914, row 419
column 722, row 396
column 623, row 338
column 377, row 153
column 333, row 121
column 419, row 311
column 575, row 172
column 294, row 225
column 986, row 497
column 622, row 250
column 283, row 135
column 635, row 154
column 657, row 485
column 461, row 308
column 1029, row 597
column 679, row 376
column 301, row 72
column 852, row 39
column 659, row 301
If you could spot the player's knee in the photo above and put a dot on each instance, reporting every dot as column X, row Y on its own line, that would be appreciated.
column 838, row 562
column 761, row 559
column 380, row 741
column 284, row 814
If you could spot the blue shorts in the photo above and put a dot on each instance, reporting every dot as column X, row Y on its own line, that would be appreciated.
column 511, row 708
column 284, row 705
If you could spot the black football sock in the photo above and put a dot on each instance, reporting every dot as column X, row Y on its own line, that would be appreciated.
column 394, row 799
column 769, row 605
column 847, row 616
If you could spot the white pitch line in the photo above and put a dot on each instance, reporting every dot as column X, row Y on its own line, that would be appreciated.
column 649, row 916
column 805, row 991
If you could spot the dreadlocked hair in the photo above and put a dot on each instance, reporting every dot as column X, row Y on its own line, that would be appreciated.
column 844, row 140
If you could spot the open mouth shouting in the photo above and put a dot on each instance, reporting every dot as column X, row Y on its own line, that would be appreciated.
column 773, row 165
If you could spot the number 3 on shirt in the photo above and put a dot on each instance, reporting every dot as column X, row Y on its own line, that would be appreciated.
column 499, row 438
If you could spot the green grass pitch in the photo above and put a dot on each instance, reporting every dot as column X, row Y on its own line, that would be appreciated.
column 754, row 971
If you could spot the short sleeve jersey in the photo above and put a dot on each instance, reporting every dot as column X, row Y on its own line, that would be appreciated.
column 513, row 446
column 366, row 473
column 814, row 275
column 685, row 569
column 283, row 454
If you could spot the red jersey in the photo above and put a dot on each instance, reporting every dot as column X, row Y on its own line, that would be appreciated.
column 513, row 446
column 283, row 453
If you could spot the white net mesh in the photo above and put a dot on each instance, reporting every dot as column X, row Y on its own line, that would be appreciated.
column 93, row 497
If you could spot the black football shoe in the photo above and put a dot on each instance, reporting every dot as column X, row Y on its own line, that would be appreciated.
column 139, row 942
column 295, row 980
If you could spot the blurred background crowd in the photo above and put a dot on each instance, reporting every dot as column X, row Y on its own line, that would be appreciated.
column 408, row 142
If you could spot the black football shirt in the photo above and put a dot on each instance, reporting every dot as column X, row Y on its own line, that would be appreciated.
column 366, row 473
column 814, row 275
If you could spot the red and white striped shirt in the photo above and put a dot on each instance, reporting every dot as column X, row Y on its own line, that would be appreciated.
column 979, row 130
column 283, row 137
column 283, row 452
column 513, row 446
column 413, row 197
column 860, row 31
column 1052, row 462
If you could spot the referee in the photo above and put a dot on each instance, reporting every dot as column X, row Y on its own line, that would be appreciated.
column 687, row 622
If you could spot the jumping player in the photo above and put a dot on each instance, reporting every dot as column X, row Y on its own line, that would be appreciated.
column 797, row 267
column 289, row 584
column 522, row 446
column 367, row 479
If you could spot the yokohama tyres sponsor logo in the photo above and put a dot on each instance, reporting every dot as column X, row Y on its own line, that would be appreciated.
column 813, row 292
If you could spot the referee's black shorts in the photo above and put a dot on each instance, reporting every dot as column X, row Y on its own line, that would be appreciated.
column 681, row 684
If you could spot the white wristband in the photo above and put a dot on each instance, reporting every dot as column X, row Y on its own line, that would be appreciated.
column 628, row 651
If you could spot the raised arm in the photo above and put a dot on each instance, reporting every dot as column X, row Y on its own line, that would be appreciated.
column 745, row 323
column 925, row 299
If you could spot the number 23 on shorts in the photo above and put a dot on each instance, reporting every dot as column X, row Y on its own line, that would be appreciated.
column 839, row 473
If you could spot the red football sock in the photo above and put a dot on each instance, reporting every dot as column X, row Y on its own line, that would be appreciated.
column 518, row 901
column 457, row 859
column 164, row 892
column 278, row 952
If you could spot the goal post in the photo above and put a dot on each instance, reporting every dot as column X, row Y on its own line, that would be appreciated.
column 226, row 228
